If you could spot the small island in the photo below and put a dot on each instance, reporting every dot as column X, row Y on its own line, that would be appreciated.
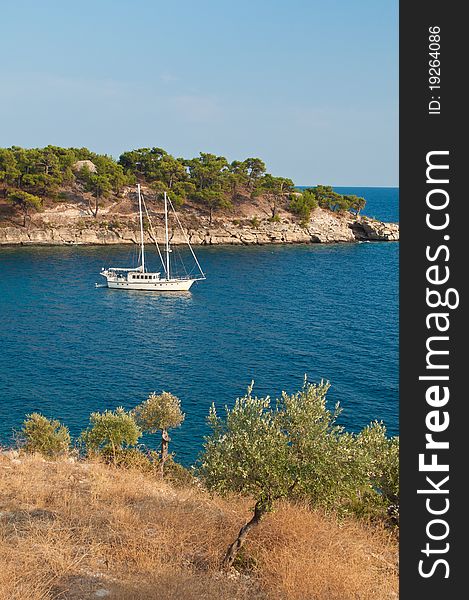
column 56, row 196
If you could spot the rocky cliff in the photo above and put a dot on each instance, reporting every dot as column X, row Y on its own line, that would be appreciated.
column 72, row 223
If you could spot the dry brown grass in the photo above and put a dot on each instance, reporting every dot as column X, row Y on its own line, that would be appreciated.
column 73, row 531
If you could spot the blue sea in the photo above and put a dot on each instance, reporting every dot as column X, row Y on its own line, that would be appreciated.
column 270, row 314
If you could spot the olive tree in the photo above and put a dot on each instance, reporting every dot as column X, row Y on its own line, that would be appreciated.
column 159, row 412
column 328, row 464
column 111, row 432
column 291, row 449
column 247, row 453
column 382, row 455
column 45, row 436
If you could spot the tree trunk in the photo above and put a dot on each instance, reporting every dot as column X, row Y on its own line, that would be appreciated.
column 165, row 439
column 233, row 549
column 273, row 208
column 234, row 192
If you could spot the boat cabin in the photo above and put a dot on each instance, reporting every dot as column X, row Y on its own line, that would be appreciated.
column 144, row 276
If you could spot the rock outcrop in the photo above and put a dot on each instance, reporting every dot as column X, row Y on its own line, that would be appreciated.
column 70, row 225
column 372, row 230
column 81, row 164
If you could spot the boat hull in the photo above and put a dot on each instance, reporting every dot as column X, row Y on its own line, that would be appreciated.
column 162, row 285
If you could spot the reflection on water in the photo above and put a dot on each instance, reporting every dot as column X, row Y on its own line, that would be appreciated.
column 143, row 303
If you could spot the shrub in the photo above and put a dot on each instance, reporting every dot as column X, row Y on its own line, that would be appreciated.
column 148, row 461
column 381, row 496
column 110, row 432
column 137, row 458
column 178, row 475
column 303, row 204
column 46, row 436
column 114, row 224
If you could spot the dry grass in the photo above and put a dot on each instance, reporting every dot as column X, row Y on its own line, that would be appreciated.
column 83, row 530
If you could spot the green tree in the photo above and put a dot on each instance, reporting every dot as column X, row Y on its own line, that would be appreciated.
column 45, row 436
column 276, row 189
column 171, row 170
column 292, row 449
column 328, row 198
column 116, row 177
column 178, row 193
column 110, row 432
column 25, row 161
column 159, row 412
column 9, row 171
column 159, row 187
column 382, row 454
column 107, row 167
column 182, row 190
column 48, row 161
column 214, row 200
column 255, row 169
column 355, row 204
column 302, row 204
column 247, row 452
column 25, row 202
column 135, row 161
column 325, row 195
column 41, row 184
column 236, row 177
column 143, row 162
column 207, row 170
column 328, row 465
column 39, row 170
column 154, row 165
column 99, row 185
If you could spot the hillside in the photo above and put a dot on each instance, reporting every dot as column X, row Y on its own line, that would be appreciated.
column 74, row 196
column 83, row 530
column 71, row 221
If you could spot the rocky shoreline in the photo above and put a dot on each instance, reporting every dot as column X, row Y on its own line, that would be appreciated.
column 324, row 228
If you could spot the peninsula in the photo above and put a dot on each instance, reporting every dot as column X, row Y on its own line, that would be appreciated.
column 61, row 196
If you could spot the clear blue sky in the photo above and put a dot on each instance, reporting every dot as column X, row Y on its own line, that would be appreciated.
column 310, row 86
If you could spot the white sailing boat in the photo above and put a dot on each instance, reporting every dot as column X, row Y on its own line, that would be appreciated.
column 139, row 278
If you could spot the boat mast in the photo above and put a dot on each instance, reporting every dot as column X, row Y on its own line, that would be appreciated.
column 187, row 239
column 141, row 226
column 167, row 236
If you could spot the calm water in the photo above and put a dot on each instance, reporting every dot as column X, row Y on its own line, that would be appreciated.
column 266, row 313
